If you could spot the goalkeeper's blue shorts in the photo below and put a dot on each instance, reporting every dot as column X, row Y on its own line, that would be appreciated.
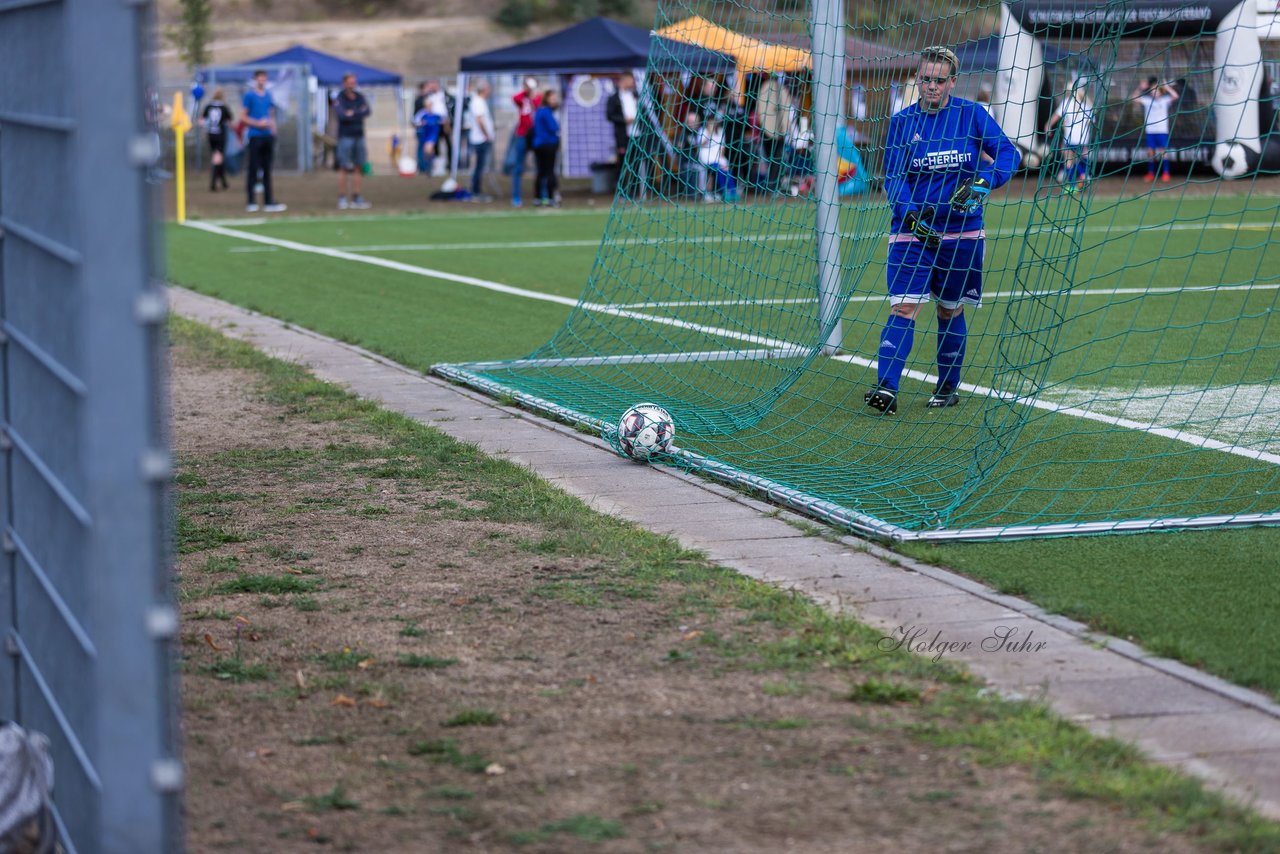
column 950, row 274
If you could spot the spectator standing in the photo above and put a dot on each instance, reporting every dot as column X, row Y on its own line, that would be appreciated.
column 1156, row 101
column 713, row 177
column 480, row 136
column 352, row 110
column 651, row 140
column 690, row 175
column 217, row 118
column 439, row 104
column 1075, row 113
column 527, row 102
column 545, row 136
column 737, row 141
column 774, row 115
column 429, row 122
column 260, row 116
column 620, row 110
column 419, row 106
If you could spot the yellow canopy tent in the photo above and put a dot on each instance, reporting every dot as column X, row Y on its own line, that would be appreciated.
column 752, row 55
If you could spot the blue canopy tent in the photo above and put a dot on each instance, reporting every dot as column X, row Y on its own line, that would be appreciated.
column 325, row 71
column 328, row 69
column 598, row 45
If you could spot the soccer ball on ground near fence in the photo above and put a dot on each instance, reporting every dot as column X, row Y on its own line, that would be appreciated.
column 644, row 430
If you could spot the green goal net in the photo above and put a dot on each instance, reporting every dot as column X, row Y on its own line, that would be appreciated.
column 1116, row 367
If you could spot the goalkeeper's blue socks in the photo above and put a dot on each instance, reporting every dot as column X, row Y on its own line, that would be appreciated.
column 895, row 347
column 952, row 335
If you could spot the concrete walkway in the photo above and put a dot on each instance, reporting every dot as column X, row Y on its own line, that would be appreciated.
column 1226, row 735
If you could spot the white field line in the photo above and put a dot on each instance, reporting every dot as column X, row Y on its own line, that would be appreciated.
column 586, row 244
column 642, row 359
column 497, row 287
column 717, row 302
column 1062, row 409
column 716, row 238
column 388, row 217
column 1080, row 292
column 1177, row 435
column 543, row 214
column 1250, row 411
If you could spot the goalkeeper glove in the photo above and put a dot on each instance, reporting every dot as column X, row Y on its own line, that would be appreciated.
column 970, row 195
column 916, row 224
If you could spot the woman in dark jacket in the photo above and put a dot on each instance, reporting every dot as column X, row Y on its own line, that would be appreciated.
column 546, row 144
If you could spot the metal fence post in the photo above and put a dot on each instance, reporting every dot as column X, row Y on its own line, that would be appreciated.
column 85, row 604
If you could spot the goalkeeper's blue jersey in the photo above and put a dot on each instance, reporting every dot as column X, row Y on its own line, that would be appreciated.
column 928, row 155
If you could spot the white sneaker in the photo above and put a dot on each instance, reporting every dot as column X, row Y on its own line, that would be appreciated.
column 343, row 204
column 358, row 203
column 276, row 208
column 251, row 208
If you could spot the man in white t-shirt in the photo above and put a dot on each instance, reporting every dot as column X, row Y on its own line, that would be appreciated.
column 1076, row 115
column 1156, row 100
column 480, row 136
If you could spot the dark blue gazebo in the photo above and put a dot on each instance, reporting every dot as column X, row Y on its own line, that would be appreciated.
column 602, row 45
column 327, row 68
column 595, row 46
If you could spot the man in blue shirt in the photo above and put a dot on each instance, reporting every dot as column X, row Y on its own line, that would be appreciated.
column 260, row 116
column 937, row 180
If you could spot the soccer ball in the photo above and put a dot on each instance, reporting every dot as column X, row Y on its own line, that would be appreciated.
column 1234, row 159
column 644, row 430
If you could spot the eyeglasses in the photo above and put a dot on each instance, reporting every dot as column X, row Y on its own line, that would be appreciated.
column 933, row 81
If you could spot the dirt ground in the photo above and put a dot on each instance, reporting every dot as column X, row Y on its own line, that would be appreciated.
column 316, row 194
column 366, row 668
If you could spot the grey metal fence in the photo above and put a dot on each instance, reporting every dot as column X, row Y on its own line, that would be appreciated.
column 86, row 613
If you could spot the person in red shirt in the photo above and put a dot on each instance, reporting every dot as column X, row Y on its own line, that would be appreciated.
column 527, row 101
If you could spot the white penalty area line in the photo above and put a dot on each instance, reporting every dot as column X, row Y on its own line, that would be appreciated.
column 672, row 242
column 497, row 287
column 244, row 221
column 1059, row 409
column 644, row 359
column 1077, row 292
column 675, row 242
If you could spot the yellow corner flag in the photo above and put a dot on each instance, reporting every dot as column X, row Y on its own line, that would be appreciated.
column 181, row 123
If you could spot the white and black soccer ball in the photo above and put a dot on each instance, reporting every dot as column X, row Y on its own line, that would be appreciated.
column 644, row 430
column 1234, row 159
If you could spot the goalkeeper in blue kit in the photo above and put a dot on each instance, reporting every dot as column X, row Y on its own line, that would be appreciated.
column 936, row 181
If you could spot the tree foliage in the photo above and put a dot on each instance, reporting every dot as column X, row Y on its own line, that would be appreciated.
column 193, row 36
